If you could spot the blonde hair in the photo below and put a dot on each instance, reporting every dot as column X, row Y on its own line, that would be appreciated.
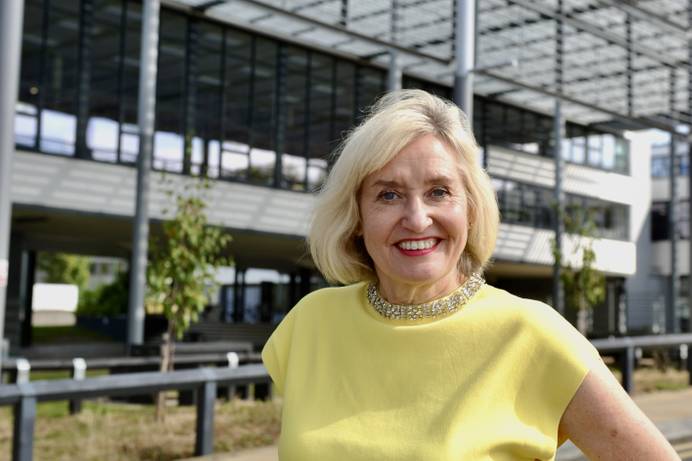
column 394, row 121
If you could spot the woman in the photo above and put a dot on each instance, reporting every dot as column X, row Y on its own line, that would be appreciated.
column 416, row 358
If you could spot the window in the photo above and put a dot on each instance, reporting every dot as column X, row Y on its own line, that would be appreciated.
column 294, row 110
column 58, row 121
column 170, row 92
column 206, row 96
column 102, row 125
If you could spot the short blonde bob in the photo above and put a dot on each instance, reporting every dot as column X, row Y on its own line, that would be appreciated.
column 394, row 121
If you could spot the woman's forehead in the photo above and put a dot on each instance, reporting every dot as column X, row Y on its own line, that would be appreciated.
column 422, row 162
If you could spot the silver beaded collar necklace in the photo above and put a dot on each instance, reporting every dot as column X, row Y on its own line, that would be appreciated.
column 436, row 308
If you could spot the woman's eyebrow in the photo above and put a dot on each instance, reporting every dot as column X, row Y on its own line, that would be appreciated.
column 385, row 183
column 439, row 179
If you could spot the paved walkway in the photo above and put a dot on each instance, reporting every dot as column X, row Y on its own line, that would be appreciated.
column 671, row 411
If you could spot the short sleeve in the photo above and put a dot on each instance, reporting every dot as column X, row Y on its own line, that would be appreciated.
column 277, row 349
column 559, row 360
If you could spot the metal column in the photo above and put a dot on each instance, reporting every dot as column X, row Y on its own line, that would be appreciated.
column 145, row 115
column 11, row 20
column 394, row 73
column 559, row 225
column 464, row 55
column 689, row 177
column 671, row 315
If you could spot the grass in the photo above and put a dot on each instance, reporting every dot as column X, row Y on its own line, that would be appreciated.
column 106, row 431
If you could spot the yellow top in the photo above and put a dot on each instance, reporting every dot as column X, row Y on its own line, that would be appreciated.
column 489, row 382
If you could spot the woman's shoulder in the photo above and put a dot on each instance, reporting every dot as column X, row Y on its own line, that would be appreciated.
column 520, row 311
column 331, row 298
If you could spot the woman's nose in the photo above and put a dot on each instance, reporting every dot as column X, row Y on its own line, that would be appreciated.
column 416, row 216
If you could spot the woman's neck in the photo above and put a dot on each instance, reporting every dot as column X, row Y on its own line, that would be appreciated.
column 403, row 293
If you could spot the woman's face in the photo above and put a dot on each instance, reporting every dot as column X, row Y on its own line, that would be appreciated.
column 414, row 220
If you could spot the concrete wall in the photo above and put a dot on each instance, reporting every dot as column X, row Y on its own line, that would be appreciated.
column 99, row 188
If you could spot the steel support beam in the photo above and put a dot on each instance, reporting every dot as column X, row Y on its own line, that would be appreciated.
column 145, row 115
column 558, row 129
column 671, row 315
column 689, row 176
column 464, row 55
column 11, row 20
column 394, row 71
column 671, row 322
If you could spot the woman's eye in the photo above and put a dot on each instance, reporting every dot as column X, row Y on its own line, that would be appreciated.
column 439, row 192
column 388, row 195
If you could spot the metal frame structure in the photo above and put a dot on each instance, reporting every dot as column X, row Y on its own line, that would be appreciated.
column 614, row 52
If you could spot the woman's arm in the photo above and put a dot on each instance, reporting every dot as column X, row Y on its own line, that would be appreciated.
column 604, row 422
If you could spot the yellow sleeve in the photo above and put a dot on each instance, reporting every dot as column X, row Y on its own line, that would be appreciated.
column 276, row 351
column 559, row 360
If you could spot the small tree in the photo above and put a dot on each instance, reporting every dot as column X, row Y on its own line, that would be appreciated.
column 65, row 268
column 584, row 286
column 182, row 267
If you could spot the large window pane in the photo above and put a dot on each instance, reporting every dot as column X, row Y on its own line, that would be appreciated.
column 170, row 107
column 26, row 121
column 59, row 89
column 370, row 86
column 344, row 99
column 262, row 156
column 129, row 132
column 294, row 111
column 104, row 112
column 207, row 93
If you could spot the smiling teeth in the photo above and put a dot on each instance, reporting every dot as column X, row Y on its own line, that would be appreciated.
column 417, row 244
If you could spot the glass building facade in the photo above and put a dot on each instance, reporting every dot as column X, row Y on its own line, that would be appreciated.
column 239, row 106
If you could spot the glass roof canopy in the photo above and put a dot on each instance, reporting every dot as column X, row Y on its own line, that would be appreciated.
column 623, row 61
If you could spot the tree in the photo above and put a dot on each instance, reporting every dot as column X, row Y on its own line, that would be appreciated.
column 182, row 266
column 584, row 286
column 65, row 268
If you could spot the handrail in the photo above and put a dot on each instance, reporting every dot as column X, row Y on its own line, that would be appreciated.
column 10, row 364
column 619, row 344
column 130, row 383
column 24, row 397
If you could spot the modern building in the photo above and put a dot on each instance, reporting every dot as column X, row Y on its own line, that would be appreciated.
column 669, row 281
column 256, row 94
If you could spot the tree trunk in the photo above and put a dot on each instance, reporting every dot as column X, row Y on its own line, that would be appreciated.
column 166, row 366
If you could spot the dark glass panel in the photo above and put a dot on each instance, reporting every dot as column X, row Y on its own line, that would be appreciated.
column 26, row 120
column 235, row 161
column 293, row 110
column 170, row 89
column 659, row 221
column 129, row 132
column 262, row 155
column 104, row 110
column 344, row 99
column 370, row 86
column 321, row 96
column 207, row 91
column 59, row 89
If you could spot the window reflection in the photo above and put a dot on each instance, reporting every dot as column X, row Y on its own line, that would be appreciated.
column 531, row 205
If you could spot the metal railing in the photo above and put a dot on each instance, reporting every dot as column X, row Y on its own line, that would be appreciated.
column 25, row 395
column 626, row 348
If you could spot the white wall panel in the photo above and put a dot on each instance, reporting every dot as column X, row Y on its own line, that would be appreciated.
column 93, row 187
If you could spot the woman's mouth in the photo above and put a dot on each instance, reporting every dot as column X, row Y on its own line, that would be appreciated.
column 417, row 247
